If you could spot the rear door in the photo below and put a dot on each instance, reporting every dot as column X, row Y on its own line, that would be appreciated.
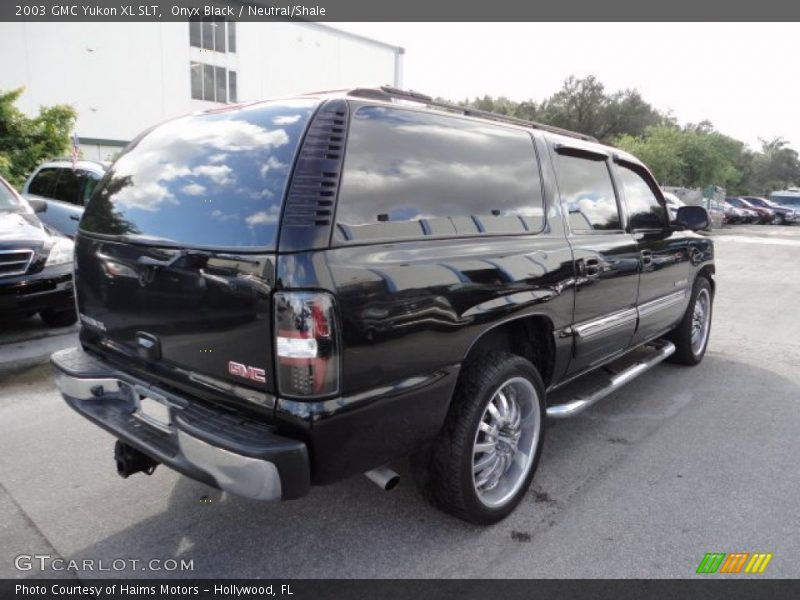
column 606, row 256
column 175, row 262
column 663, row 253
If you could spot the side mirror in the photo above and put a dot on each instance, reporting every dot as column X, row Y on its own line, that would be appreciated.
column 38, row 205
column 693, row 217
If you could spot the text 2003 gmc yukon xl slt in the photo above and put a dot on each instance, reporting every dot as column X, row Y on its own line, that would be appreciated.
column 290, row 292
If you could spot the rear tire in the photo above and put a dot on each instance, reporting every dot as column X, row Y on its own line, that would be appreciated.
column 60, row 318
column 482, row 463
column 692, row 333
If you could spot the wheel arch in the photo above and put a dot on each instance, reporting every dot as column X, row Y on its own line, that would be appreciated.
column 707, row 271
column 529, row 336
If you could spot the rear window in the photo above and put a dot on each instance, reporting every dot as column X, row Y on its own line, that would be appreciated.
column 410, row 174
column 211, row 180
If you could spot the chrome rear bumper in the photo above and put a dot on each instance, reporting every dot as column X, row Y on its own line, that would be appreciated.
column 239, row 456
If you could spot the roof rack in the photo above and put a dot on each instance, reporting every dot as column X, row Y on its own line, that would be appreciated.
column 386, row 92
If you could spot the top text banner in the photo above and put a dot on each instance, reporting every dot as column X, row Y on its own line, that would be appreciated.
column 407, row 10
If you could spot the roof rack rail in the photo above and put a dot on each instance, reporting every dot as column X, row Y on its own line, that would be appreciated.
column 386, row 92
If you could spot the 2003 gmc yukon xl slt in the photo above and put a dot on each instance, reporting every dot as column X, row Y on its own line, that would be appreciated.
column 290, row 292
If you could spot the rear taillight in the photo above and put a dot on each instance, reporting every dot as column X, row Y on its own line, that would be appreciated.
column 307, row 347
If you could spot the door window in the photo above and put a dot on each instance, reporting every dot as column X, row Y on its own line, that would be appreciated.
column 646, row 212
column 585, row 184
column 44, row 182
column 69, row 186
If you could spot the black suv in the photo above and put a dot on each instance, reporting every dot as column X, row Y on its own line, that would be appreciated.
column 290, row 292
column 35, row 264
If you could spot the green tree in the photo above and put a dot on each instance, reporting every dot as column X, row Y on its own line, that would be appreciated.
column 659, row 149
column 693, row 156
column 775, row 167
column 27, row 141
column 584, row 105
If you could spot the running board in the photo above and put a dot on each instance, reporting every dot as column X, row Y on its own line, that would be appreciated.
column 662, row 350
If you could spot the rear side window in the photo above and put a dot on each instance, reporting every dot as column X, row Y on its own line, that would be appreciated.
column 213, row 180
column 585, row 185
column 44, row 182
column 646, row 212
column 410, row 174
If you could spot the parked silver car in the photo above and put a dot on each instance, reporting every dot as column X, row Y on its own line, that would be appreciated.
column 65, row 190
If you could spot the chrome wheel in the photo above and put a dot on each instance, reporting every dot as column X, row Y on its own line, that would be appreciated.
column 505, row 443
column 701, row 321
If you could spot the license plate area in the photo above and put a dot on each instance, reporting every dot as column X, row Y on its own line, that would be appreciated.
column 152, row 408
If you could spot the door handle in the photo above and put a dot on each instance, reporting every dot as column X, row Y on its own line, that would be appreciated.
column 75, row 217
column 647, row 257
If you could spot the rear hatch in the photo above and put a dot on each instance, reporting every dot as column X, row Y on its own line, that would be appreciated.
column 176, row 252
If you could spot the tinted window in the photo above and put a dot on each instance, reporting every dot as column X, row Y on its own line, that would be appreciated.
column 196, row 70
column 213, row 179
column 410, row 174
column 195, row 34
column 231, row 86
column 44, row 183
column 69, row 186
column 231, row 36
column 585, row 185
column 646, row 212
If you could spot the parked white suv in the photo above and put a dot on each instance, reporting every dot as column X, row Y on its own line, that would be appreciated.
column 65, row 190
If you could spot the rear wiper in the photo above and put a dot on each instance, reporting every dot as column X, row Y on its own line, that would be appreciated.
column 150, row 240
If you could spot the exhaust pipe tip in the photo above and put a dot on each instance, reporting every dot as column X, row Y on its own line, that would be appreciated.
column 384, row 477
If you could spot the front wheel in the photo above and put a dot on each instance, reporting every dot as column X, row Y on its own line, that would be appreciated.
column 691, row 335
column 482, row 463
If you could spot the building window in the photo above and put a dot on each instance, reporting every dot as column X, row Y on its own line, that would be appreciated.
column 212, row 34
column 215, row 84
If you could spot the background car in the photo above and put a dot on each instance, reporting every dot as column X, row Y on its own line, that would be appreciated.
column 65, row 190
column 787, row 198
column 783, row 215
column 35, row 264
column 756, row 214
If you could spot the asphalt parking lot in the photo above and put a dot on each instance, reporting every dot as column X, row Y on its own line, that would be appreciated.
column 681, row 462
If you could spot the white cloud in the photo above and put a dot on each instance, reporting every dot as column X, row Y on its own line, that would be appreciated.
column 272, row 164
column 286, row 119
column 219, row 174
column 264, row 217
column 194, row 189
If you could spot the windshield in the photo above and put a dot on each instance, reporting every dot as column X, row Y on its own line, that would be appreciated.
column 8, row 199
column 215, row 179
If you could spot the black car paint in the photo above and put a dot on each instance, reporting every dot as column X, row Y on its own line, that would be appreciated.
column 40, row 287
column 410, row 312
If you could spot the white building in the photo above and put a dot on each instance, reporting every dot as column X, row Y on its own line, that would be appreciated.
column 124, row 77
